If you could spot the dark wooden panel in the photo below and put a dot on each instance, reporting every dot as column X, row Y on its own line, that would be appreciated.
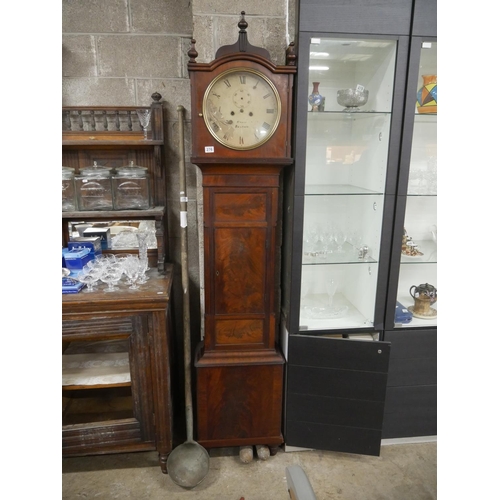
column 333, row 438
column 412, row 344
column 239, row 402
column 356, row 16
column 417, row 371
column 239, row 331
column 85, row 437
column 335, row 411
column 339, row 353
column 425, row 18
column 350, row 384
column 240, row 270
column 101, row 328
column 238, row 207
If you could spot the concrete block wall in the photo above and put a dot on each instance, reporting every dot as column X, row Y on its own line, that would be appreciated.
column 119, row 52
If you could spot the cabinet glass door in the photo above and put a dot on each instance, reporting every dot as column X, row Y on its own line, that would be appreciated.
column 351, row 85
column 417, row 285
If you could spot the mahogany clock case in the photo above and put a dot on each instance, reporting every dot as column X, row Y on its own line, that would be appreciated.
column 239, row 367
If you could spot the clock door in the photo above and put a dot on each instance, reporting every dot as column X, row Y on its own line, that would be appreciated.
column 240, row 268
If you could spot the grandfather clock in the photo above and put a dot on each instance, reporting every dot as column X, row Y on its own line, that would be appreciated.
column 241, row 131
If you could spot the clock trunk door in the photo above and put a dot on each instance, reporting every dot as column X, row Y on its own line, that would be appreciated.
column 239, row 233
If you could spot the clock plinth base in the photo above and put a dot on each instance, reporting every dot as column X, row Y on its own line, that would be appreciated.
column 239, row 401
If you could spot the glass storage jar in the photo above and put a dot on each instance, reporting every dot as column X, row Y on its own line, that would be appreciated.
column 68, row 189
column 131, row 188
column 93, row 188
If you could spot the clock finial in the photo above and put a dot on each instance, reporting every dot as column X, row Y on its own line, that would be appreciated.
column 242, row 44
column 192, row 52
column 243, row 25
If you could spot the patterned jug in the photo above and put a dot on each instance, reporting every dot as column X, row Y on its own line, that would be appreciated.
column 427, row 95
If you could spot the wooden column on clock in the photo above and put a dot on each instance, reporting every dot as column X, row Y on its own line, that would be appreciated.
column 239, row 367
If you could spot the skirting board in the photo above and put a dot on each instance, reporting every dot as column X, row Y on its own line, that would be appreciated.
column 384, row 442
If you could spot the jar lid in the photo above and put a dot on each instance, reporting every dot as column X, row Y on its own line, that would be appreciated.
column 68, row 172
column 96, row 170
column 131, row 169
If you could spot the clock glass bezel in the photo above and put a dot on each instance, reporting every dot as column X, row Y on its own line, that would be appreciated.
column 205, row 113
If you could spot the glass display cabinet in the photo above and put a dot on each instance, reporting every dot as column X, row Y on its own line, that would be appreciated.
column 417, row 280
column 346, row 158
column 364, row 178
column 411, row 315
column 339, row 209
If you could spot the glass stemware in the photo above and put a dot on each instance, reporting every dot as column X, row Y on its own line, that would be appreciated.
column 340, row 238
column 89, row 277
column 144, row 116
column 354, row 238
column 112, row 276
column 132, row 270
column 331, row 290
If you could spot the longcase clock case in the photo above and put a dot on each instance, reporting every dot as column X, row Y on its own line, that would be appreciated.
column 239, row 367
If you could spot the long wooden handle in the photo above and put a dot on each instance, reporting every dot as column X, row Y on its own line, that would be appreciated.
column 185, row 278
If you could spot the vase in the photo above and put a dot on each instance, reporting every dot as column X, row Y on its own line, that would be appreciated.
column 143, row 245
column 316, row 100
column 427, row 95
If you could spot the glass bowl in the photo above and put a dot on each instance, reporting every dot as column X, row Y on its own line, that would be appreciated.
column 352, row 98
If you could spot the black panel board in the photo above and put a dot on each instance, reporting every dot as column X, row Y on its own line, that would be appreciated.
column 349, row 384
column 425, row 18
column 418, row 371
column 388, row 17
column 396, row 426
column 412, row 344
column 335, row 394
column 333, row 438
column 410, row 412
column 335, row 411
column 407, row 400
column 344, row 354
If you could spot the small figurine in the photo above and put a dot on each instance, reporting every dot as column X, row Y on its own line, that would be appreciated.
column 409, row 247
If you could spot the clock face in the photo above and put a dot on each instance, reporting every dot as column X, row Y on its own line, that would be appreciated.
column 241, row 108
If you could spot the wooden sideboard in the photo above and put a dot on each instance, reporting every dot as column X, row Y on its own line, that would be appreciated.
column 117, row 386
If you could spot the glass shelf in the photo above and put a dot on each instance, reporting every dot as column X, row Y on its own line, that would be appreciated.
column 337, row 189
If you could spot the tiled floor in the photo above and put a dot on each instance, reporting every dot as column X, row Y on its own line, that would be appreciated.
column 402, row 472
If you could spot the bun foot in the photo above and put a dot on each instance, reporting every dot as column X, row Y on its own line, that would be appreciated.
column 262, row 451
column 246, row 454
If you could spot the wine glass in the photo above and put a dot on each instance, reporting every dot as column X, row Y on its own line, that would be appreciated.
column 144, row 116
column 354, row 238
column 340, row 238
column 331, row 290
column 132, row 269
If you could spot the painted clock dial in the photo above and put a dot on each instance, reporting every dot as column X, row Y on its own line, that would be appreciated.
column 241, row 108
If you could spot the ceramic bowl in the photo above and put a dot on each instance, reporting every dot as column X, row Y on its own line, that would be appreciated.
column 352, row 98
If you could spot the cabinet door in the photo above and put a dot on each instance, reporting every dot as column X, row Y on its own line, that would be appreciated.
column 346, row 162
column 415, row 245
column 335, row 394
column 107, row 390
